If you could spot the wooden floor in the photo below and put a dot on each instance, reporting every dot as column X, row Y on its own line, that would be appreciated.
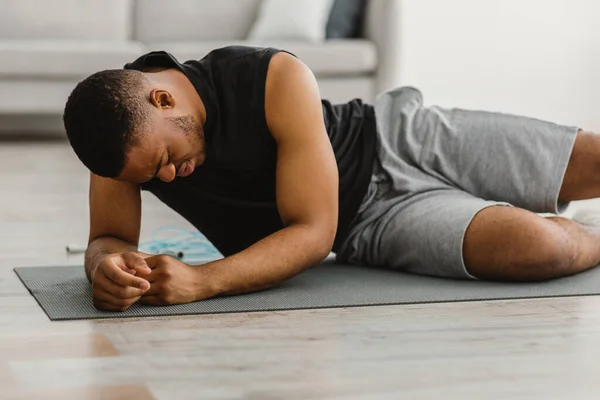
column 534, row 349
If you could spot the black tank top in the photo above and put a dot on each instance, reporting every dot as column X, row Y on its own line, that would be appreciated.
column 230, row 198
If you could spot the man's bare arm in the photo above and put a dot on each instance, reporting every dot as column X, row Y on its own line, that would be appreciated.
column 307, row 189
column 115, row 219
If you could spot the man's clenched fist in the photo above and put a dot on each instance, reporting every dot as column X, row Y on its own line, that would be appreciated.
column 117, row 281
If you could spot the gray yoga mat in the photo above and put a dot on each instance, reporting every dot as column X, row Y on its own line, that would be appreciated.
column 64, row 292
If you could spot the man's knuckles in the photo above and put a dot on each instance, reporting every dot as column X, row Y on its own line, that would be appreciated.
column 159, row 260
column 126, row 292
column 167, row 273
column 162, row 295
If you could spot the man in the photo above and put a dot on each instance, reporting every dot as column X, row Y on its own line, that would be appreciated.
column 241, row 144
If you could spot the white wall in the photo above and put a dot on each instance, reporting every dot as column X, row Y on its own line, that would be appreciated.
column 535, row 57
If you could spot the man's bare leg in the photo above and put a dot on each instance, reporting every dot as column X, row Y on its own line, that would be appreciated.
column 507, row 243
column 582, row 178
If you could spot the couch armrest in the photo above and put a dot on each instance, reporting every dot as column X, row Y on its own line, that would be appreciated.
column 383, row 27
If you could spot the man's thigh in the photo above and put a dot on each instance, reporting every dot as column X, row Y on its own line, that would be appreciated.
column 420, row 233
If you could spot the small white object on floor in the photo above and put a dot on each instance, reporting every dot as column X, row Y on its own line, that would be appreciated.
column 586, row 212
column 76, row 249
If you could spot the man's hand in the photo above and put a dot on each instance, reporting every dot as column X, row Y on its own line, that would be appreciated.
column 174, row 282
column 115, row 286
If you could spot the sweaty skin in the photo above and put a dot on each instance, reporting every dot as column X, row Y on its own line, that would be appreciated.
column 306, row 195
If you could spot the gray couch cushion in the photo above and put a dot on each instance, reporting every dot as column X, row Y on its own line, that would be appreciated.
column 194, row 19
column 65, row 19
column 332, row 57
column 64, row 58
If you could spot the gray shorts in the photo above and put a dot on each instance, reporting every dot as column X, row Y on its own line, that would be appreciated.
column 436, row 168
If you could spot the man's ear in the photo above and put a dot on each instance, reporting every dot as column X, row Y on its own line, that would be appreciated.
column 162, row 99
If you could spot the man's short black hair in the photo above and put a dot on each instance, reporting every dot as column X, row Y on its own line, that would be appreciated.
column 102, row 116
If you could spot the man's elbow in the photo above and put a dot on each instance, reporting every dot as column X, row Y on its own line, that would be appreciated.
column 323, row 239
column 316, row 238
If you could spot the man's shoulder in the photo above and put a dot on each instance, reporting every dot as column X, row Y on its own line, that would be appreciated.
column 218, row 57
column 232, row 53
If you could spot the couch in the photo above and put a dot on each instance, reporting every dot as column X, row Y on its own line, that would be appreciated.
column 47, row 47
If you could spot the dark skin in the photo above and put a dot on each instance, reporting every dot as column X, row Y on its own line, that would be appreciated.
column 306, row 194
column 501, row 243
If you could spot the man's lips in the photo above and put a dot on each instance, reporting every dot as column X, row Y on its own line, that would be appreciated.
column 186, row 168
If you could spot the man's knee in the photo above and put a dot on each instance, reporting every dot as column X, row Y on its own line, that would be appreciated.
column 505, row 243
column 552, row 252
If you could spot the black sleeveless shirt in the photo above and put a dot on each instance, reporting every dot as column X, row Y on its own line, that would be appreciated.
column 230, row 198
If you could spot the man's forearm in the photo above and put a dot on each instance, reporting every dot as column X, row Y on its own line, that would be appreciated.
column 267, row 263
column 101, row 247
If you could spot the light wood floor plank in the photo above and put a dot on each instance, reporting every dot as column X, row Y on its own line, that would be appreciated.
column 129, row 392
column 56, row 346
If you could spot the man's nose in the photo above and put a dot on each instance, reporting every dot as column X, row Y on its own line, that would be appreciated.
column 167, row 173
